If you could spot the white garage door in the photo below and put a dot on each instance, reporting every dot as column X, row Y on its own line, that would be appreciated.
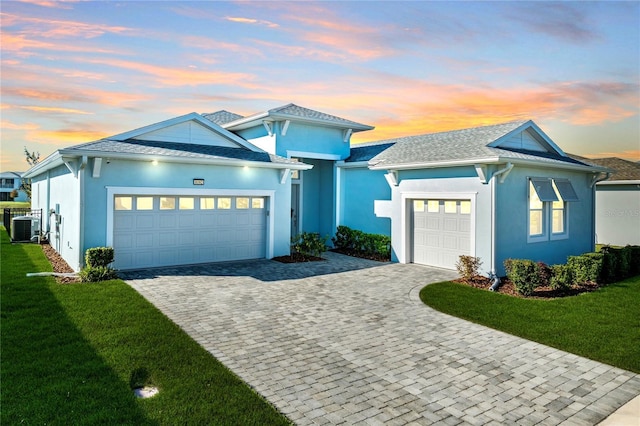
column 156, row 230
column 441, row 231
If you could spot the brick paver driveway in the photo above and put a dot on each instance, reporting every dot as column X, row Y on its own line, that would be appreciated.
column 348, row 341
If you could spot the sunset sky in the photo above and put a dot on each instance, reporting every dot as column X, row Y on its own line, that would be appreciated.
column 73, row 72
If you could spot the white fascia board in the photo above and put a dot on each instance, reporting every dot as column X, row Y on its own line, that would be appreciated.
column 255, row 120
column 52, row 161
column 432, row 165
column 193, row 116
column 493, row 160
column 352, row 165
column 187, row 160
column 619, row 182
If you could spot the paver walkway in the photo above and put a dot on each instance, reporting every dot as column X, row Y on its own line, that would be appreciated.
column 348, row 341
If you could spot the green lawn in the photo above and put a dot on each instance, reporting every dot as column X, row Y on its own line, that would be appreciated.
column 71, row 354
column 603, row 325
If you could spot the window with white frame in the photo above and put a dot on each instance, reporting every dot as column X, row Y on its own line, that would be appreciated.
column 548, row 208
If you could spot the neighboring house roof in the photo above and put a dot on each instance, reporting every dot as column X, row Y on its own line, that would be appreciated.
column 623, row 170
column 297, row 113
column 10, row 175
column 471, row 146
column 366, row 151
column 222, row 117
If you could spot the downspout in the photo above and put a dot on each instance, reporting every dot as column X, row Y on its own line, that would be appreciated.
column 81, row 183
column 505, row 170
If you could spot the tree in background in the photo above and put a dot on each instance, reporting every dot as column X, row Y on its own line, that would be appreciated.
column 32, row 158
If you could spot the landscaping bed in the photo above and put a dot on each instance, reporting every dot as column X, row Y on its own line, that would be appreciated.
column 541, row 292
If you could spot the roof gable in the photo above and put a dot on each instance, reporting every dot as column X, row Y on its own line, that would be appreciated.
column 527, row 137
column 296, row 113
column 188, row 129
column 514, row 141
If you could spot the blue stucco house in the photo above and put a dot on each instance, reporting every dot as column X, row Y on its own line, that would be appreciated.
column 10, row 182
column 221, row 186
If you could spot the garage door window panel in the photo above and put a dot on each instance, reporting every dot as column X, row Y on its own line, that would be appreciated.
column 242, row 203
column 224, row 203
column 167, row 203
column 257, row 203
column 207, row 203
column 186, row 203
column 144, row 203
column 123, row 203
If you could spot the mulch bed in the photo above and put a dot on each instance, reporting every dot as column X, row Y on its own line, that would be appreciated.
column 362, row 256
column 543, row 292
column 58, row 264
column 297, row 258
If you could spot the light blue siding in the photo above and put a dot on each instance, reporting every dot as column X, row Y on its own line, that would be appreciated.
column 512, row 216
column 323, row 142
column 360, row 187
column 318, row 201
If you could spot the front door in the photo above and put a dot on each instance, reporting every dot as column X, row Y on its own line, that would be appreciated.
column 295, row 208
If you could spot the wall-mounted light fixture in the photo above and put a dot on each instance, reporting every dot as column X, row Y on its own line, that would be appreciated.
column 154, row 162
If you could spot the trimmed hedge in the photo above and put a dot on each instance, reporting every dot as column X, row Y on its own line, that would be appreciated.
column 524, row 274
column 360, row 243
column 609, row 265
column 97, row 260
column 99, row 256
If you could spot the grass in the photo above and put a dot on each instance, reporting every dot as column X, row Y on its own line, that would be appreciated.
column 603, row 325
column 71, row 354
column 15, row 204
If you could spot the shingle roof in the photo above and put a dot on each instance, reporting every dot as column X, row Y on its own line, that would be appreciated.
column 623, row 169
column 222, row 117
column 298, row 111
column 292, row 111
column 461, row 146
column 174, row 149
column 365, row 152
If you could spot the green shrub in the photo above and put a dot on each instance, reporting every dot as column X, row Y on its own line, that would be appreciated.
column 468, row 266
column 360, row 243
column 544, row 274
column 309, row 244
column 524, row 274
column 99, row 256
column 92, row 274
column 586, row 267
column 561, row 277
column 634, row 260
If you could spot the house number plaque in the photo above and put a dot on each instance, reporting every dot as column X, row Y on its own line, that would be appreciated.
column 198, row 181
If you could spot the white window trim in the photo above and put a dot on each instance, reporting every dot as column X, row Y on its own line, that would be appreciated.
column 547, row 218
column 269, row 196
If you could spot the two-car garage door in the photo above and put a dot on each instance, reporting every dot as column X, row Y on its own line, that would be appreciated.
column 152, row 230
column 440, row 231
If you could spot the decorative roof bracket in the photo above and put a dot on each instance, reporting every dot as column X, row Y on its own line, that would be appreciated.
column 269, row 126
column 346, row 135
column 284, row 174
column 285, row 126
column 392, row 177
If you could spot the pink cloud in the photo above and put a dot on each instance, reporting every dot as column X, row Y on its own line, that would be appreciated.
column 251, row 21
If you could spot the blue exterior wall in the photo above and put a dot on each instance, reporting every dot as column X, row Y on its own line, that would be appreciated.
column 318, row 201
column 300, row 137
column 512, row 215
column 174, row 175
column 451, row 182
column 359, row 188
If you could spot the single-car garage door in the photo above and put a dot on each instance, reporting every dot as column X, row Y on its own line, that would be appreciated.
column 441, row 231
column 153, row 230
